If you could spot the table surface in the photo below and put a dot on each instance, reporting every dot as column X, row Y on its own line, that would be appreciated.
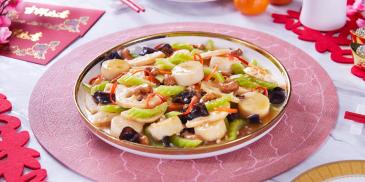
column 21, row 77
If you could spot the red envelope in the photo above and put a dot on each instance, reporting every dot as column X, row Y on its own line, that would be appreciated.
column 36, row 44
column 54, row 17
column 42, row 31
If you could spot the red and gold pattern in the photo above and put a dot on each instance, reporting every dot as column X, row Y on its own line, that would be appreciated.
column 38, row 50
column 36, row 44
column 70, row 25
column 42, row 31
column 62, row 18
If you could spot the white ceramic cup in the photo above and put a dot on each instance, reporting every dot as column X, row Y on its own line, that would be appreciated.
column 324, row 15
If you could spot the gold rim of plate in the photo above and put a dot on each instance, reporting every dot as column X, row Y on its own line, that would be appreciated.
column 331, row 170
column 178, row 151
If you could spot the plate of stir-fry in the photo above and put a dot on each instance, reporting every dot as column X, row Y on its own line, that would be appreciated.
column 182, row 95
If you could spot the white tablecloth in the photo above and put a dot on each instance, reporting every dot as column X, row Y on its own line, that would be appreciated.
column 18, row 77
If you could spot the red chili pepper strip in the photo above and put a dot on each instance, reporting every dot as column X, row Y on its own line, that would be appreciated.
column 355, row 117
column 263, row 90
column 159, row 46
column 96, row 79
column 193, row 101
column 174, row 107
column 231, row 56
column 241, row 59
column 211, row 73
column 152, row 79
column 112, row 91
column 198, row 57
column 117, row 77
column 197, row 87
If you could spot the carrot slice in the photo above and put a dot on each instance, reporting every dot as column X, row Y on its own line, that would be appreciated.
column 198, row 57
column 112, row 91
column 197, row 87
column 193, row 101
column 211, row 73
column 174, row 107
column 229, row 110
column 168, row 72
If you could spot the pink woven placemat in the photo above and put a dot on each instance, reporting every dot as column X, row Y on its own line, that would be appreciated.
column 310, row 116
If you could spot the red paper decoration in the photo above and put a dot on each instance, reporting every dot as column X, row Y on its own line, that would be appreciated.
column 5, row 105
column 359, row 72
column 336, row 42
column 14, row 156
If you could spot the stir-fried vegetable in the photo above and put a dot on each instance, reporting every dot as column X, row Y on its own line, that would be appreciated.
column 169, row 91
column 180, row 58
column 179, row 46
column 220, row 102
column 181, row 95
column 131, row 80
column 234, row 127
column 210, row 45
column 112, row 108
column 237, row 68
column 184, row 142
column 99, row 87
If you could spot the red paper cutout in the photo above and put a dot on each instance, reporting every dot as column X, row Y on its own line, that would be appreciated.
column 5, row 105
column 14, row 156
column 336, row 42
column 359, row 72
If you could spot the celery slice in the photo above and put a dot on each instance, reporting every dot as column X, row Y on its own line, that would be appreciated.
column 237, row 68
column 217, row 75
column 180, row 58
column 172, row 114
column 99, row 87
column 210, row 45
column 234, row 127
column 169, row 91
column 112, row 108
column 255, row 63
column 138, row 113
column 131, row 80
column 252, row 82
column 179, row 46
column 164, row 64
column 246, row 81
column 220, row 102
column 266, row 84
column 86, row 87
column 184, row 142
column 134, row 55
